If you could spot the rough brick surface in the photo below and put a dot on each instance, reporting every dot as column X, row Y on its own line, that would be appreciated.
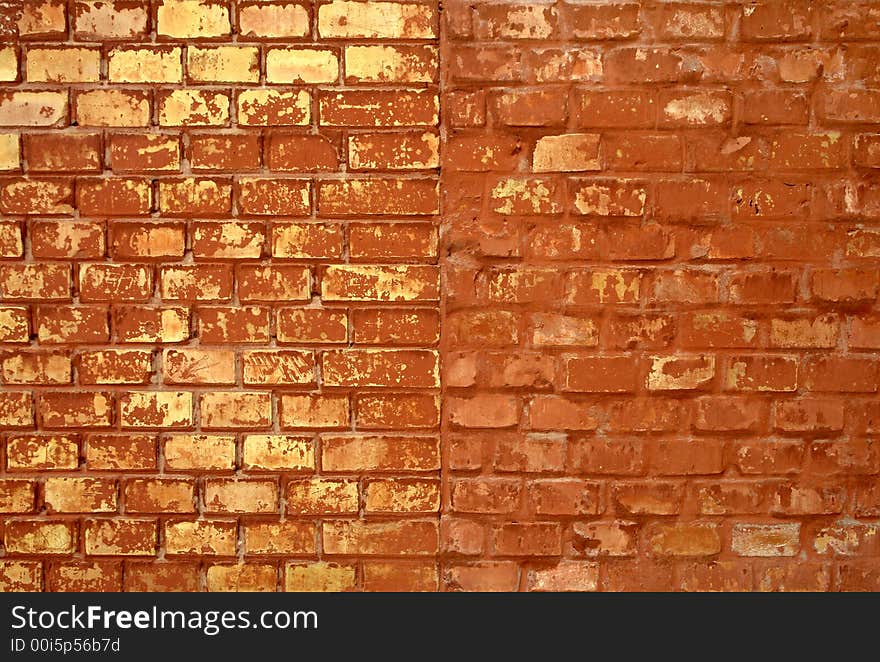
column 219, row 295
column 251, row 249
column 660, row 340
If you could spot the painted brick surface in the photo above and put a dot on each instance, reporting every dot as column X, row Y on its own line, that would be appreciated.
column 220, row 294
column 660, row 284
column 250, row 250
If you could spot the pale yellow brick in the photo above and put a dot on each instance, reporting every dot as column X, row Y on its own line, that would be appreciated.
column 9, row 151
column 186, row 452
column 302, row 65
column 273, row 21
column 319, row 576
column 8, row 64
column 23, row 108
column 276, row 452
column 238, row 64
column 145, row 65
column 407, row 64
column 63, row 65
column 192, row 19
column 194, row 108
column 382, row 20
column 112, row 108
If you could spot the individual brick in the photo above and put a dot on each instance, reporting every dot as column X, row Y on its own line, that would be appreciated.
column 391, row 64
column 209, row 152
column 83, row 409
column 223, row 64
column 301, row 65
column 120, row 452
column 398, row 538
column 379, row 108
column 273, row 108
column 108, row 197
column 145, row 64
column 250, row 577
column 227, row 240
column 113, row 108
column 115, row 366
column 233, row 495
column 42, row 452
column 272, row 20
column 44, row 537
column 146, row 324
column 380, row 283
column 290, row 537
column 307, row 241
column 192, row 19
column 144, row 241
column 120, row 537
column 298, row 152
column 196, row 282
column 319, row 576
column 80, row 495
column 156, row 409
column 394, row 151
column 200, row 452
column 120, row 282
column 96, row 20
column 193, row 107
column 198, row 366
column 200, row 537
column 48, row 152
column 341, row 19
column 27, row 108
column 244, row 324
column 314, row 411
column 195, row 196
column 160, row 495
column 223, row 410
column 274, row 283
column 567, row 153
column 310, row 325
column 71, row 324
column 63, row 65
column 50, row 197
column 273, row 197
column 322, row 496
column 380, row 453
column 278, row 453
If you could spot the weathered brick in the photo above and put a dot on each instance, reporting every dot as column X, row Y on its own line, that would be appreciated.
column 138, row 64
column 200, row 452
column 113, row 108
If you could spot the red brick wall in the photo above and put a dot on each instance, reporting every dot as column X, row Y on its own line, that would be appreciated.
column 220, row 296
column 661, row 330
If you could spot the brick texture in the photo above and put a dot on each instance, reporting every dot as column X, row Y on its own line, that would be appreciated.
column 232, row 309
column 660, row 341
column 219, row 295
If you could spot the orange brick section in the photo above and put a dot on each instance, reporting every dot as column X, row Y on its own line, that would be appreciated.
column 219, row 295
column 660, row 332
column 221, row 356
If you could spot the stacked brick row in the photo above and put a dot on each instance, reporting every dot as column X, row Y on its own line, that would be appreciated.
column 661, row 327
column 219, row 295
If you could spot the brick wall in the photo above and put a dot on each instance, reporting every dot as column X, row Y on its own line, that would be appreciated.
column 220, row 297
column 661, row 329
